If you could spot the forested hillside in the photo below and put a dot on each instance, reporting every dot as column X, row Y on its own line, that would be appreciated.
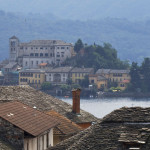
column 130, row 39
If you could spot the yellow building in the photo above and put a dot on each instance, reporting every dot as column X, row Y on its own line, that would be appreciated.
column 32, row 77
column 118, row 76
column 78, row 74
column 99, row 81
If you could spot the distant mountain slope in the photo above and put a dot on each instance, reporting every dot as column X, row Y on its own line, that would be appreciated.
column 82, row 9
column 131, row 39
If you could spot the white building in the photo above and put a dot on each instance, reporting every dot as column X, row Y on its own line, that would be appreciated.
column 31, row 54
column 58, row 75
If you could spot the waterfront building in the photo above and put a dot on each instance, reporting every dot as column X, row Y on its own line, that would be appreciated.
column 100, row 81
column 121, row 77
column 35, row 52
column 77, row 74
column 58, row 75
column 32, row 77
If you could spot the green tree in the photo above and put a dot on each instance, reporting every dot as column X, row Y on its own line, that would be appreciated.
column 135, row 77
column 78, row 45
column 145, row 71
column 46, row 86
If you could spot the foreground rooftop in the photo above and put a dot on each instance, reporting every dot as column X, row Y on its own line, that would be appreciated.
column 43, row 102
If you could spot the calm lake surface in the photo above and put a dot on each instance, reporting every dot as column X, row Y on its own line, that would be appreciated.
column 102, row 106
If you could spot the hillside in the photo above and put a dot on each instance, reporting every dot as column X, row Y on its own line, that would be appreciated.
column 130, row 39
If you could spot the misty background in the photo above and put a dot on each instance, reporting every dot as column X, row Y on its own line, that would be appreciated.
column 125, row 24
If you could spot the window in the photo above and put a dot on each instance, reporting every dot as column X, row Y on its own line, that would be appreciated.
column 13, row 43
column 39, row 75
column 67, row 47
column 31, row 47
column 41, row 47
column 64, row 75
column 41, row 54
column 26, row 63
column 57, row 47
column 46, row 54
column 39, row 82
column 62, row 47
column 31, row 54
column 32, row 62
column 36, row 54
column 35, row 75
column 35, row 81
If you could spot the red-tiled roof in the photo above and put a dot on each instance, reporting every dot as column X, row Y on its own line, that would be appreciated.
column 66, row 126
column 43, row 64
column 27, row 118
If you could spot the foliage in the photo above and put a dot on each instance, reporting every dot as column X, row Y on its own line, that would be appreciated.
column 97, row 57
column 76, row 86
column 140, row 77
column 65, row 87
column 135, row 76
column 84, row 82
column 46, row 86
column 78, row 45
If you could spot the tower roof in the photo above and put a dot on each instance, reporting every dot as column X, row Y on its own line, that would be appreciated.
column 14, row 37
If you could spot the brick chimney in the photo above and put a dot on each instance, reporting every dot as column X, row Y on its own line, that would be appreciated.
column 76, row 101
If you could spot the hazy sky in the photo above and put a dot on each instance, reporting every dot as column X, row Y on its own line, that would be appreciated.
column 78, row 9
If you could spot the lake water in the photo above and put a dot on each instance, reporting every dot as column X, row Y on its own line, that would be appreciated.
column 102, row 106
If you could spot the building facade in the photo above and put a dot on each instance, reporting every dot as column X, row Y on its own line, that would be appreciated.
column 31, row 54
column 32, row 77
column 121, row 77
column 78, row 74
column 99, row 81
column 58, row 75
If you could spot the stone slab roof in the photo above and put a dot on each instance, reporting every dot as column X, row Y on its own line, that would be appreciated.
column 66, row 126
column 43, row 102
column 125, row 114
column 108, row 71
column 27, row 118
column 100, row 78
column 5, row 146
column 113, row 135
column 10, row 65
column 46, row 43
column 33, row 70
column 82, row 70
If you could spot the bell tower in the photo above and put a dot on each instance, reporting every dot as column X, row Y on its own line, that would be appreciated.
column 13, row 48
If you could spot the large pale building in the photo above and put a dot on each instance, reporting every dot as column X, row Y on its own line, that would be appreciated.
column 31, row 54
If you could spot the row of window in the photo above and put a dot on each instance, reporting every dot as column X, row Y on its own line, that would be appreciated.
column 23, row 74
column 78, row 74
column 29, row 81
column 116, row 80
column 117, row 74
column 41, row 54
column 33, row 48
column 40, row 48
column 36, row 62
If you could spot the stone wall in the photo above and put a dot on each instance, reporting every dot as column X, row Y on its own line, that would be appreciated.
column 11, row 134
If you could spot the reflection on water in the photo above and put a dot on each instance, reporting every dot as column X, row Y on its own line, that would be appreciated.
column 101, row 107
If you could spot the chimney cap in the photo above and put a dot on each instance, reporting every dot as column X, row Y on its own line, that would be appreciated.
column 78, row 89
